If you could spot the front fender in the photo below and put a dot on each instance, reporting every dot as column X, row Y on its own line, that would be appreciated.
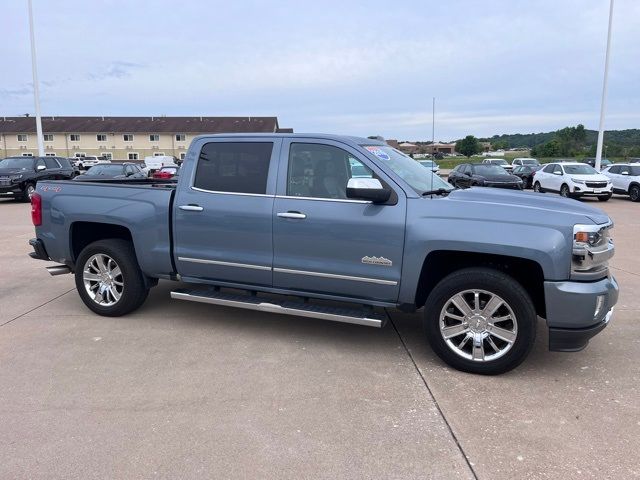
column 546, row 246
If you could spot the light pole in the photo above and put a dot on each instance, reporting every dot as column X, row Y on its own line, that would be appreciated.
column 433, row 129
column 36, row 89
column 604, row 92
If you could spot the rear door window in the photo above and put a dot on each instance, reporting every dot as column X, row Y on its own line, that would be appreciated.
column 234, row 167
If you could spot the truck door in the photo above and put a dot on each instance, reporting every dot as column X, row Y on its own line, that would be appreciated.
column 223, row 212
column 324, row 242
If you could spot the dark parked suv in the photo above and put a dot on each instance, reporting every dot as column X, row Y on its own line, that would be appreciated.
column 19, row 175
column 483, row 175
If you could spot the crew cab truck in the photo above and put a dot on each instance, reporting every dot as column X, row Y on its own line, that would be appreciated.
column 285, row 214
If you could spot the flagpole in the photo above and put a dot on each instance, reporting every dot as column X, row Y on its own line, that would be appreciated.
column 36, row 89
column 604, row 92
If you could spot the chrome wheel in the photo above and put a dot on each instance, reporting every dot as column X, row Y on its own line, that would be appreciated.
column 478, row 325
column 103, row 279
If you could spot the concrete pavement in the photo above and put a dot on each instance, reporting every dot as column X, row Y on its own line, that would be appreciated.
column 195, row 391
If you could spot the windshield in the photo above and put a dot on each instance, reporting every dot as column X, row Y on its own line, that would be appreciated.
column 22, row 163
column 530, row 161
column 489, row 170
column 634, row 170
column 105, row 170
column 498, row 162
column 419, row 178
column 580, row 170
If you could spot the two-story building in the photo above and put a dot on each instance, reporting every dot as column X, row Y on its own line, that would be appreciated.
column 120, row 138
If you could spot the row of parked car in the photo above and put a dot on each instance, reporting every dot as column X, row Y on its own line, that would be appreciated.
column 568, row 178
column 19, row 175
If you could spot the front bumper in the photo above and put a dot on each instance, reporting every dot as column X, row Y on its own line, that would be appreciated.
column 571, row 308
column 582, row 190
column 11, row 189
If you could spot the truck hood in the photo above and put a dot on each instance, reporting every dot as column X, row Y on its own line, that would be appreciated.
column 499, row 178
column 591, row 178
column 540, row 205
column 13, row 171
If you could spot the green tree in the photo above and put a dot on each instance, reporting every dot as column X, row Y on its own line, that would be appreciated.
column 468, row 146
column 500, row 145
column 552, row 148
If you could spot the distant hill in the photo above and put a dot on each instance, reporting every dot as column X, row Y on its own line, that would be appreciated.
column 624, row 138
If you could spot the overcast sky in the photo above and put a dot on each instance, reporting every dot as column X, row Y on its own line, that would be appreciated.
column 359, row 68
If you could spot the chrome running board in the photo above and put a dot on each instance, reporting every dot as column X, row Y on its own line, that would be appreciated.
column 359, row 316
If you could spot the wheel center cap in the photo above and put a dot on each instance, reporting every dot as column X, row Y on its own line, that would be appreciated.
column 477, row 323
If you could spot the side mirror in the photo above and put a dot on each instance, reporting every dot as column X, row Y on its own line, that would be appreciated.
column 367, row 189
column 40, row 168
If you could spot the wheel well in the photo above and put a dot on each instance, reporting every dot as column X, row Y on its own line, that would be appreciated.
column 633, row 184
column 84, row 233
column 441, row 263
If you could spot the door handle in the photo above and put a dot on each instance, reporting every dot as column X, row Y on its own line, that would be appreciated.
column 298, row 215
column 191, row 208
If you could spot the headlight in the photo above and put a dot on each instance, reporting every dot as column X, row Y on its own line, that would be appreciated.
column 577, row 180
column 15, row 178
column 592, row 249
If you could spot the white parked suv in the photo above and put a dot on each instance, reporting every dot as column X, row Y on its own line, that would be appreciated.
column 501, row 162
column 625, row 178
column 525, row 161
column 89, row 161
column 573, row 179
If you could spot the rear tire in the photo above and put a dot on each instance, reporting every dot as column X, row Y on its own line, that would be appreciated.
column 472, row 344
column 634, row 193
column 537, row 187
column 108, row 278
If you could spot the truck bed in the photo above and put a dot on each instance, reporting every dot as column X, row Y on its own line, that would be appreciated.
column 141, row 207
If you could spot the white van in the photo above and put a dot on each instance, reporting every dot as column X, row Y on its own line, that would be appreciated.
column 156, row 162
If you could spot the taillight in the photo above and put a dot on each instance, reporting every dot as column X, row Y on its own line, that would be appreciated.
column 36, row 209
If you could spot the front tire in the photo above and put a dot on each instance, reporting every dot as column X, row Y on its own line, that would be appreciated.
column 27, row 192
column 480, row 320
column 109, row 279
column 634, row 193
column 564, row 191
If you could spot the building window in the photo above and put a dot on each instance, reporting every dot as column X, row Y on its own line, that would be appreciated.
column 180, row 137
column 154, row 137
column 132, row 156
column 27, row 154
column 101, row 137
column 106, row 155
column 158, row 154
column 80, row 155
column 48, row 137
column 74, row 137
column 49, row 154
column 22, row 137
column 182, row 155
column 128, row 137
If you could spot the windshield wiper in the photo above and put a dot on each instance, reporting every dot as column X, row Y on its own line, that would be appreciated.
column 437, row 191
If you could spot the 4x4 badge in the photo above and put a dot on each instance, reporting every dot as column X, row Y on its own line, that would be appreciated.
column 377, row 261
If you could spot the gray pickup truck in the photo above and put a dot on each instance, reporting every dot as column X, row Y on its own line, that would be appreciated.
column 347, row 226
